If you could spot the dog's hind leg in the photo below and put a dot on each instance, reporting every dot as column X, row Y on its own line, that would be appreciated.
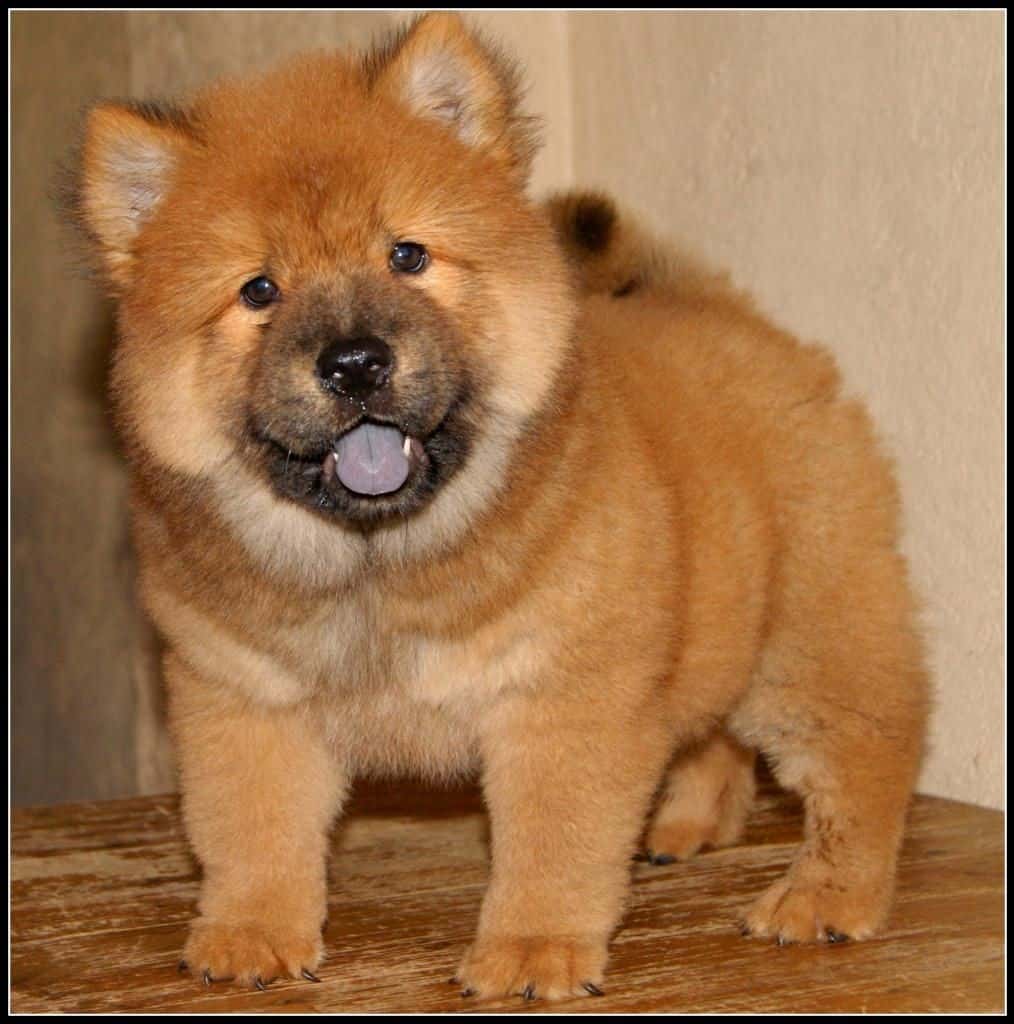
column 707, row 796
column 844, row 729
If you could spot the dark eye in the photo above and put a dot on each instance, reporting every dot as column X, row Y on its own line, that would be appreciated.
column 408, row 257
column 261, row 291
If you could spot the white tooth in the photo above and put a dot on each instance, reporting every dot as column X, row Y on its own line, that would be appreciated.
column 407, row 446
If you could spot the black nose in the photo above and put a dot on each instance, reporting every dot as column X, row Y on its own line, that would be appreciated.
column 355, row 366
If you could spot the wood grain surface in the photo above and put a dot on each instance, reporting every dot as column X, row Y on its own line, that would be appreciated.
column 102, row 894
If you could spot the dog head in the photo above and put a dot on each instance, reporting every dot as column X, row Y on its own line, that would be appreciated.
column 332, row 289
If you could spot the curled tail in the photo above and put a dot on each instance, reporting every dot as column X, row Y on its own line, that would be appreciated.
column 612, row 254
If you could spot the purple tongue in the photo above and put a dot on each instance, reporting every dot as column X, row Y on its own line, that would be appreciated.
column 371, row 459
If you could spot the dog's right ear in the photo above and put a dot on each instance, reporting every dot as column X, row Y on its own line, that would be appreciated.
column 445, row 72
column 126, row 166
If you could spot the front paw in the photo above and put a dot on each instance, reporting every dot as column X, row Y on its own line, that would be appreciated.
column 535, row 967
column 250, row 953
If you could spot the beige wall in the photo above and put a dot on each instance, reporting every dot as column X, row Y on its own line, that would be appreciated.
column 73, row 620
column 846, row 167
column 86, row 699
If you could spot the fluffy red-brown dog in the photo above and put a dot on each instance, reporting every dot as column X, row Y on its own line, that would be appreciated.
column 429, row 479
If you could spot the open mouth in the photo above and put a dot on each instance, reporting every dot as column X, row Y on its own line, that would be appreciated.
column 365, row 464
column 368, row 474
column 372, row 459
column 375, row 470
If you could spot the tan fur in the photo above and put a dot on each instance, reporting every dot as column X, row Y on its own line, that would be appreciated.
column 672, row 536
column 706, row 800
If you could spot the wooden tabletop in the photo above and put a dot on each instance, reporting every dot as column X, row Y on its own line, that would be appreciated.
column 102, row 894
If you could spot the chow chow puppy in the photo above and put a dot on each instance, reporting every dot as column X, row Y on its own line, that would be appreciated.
column 429, row 479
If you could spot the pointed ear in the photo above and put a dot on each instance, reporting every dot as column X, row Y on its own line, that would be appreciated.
column 125, row 170
column 445, row 72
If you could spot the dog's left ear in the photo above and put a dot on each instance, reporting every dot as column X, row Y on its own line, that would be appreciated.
column 127, row 163
column 443, row 71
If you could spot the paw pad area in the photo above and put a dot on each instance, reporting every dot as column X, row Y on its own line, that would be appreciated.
column 533, row 968
column 249, row 956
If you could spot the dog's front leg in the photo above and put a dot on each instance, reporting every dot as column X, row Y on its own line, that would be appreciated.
column 260, row 790
column 568, row 784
